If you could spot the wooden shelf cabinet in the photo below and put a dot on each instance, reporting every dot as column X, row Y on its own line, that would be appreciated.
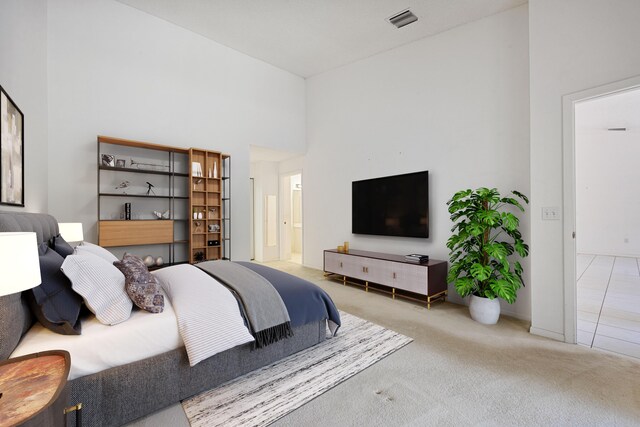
column 425, row 282
column 135, row 232
column 206, row 205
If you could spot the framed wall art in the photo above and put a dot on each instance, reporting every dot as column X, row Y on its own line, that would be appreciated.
column 11, row 152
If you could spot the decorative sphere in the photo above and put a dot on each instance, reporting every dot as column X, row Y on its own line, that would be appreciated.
column 148, row 261
column 159, row 261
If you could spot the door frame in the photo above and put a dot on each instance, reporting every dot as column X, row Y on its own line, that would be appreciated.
column 252, row 222
column 281, row 207
column 569, row 193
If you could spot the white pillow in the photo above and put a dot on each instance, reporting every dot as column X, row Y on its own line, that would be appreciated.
column 86, row 247
column 101, row 285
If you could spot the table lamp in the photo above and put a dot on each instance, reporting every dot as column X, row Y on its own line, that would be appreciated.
column 71, row 231
column 19, row 263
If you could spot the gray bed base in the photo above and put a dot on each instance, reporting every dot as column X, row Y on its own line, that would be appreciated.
column 122, row 394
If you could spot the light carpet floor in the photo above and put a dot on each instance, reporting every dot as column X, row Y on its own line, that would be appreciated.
column 265, row 395
column 458, row 372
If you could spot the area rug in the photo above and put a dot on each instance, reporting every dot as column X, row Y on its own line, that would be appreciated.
column 267, row 394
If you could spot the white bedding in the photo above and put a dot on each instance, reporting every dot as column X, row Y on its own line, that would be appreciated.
column 209, row 318
column 206, row 320
column 101, row 347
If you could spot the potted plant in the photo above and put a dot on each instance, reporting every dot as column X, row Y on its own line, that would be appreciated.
column 485, row 236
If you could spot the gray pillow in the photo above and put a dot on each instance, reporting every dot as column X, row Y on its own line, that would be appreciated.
column 54, row 303
column 61, row 246
column 141, row 286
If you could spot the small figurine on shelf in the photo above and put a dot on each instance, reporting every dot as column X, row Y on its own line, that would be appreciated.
column 162, row 215
column 150, row 189
column 123, row 186
column 149, row 166
column 108, row 160
column 197, row 227
column 212, row 213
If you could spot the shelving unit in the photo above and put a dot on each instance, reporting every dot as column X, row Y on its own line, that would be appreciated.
column 206, row 222
column 226, row 206
column 166, row 168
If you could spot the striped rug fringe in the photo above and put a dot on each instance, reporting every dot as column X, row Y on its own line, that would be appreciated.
column 263, row 396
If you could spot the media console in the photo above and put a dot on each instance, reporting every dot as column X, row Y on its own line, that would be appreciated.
column 373, row 269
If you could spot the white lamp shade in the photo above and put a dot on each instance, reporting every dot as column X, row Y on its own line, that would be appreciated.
column 71, row 231
column 19, row 262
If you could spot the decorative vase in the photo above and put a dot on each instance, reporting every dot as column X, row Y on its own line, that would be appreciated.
column 149, row 261
column 159, row 261
column 484, row 310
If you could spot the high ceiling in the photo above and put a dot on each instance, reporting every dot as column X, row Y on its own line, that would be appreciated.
column 308, row 37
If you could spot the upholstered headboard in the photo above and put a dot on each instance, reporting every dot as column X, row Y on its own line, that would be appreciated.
column 15, row 318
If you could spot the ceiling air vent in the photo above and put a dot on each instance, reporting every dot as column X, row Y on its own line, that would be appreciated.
column 403, row 18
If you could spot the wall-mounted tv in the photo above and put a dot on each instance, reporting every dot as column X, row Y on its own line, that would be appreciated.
column 391, row 206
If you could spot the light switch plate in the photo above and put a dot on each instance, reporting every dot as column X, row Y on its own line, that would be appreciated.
column 551, row 213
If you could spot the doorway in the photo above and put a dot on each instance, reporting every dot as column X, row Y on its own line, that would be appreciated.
column 291, row 227
column 601, row 231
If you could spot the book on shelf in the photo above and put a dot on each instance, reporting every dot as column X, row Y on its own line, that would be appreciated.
column 416, row 258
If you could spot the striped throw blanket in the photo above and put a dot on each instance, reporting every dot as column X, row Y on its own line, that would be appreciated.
column 209, row 319
column 265, row 311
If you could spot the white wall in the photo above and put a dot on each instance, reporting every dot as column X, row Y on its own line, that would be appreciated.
column 23, row 75
column 574, row 45
column 455, row 104
column 607, row 178
column 116, row 71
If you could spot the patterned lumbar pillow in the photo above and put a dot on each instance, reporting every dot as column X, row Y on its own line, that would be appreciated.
column 141, row 286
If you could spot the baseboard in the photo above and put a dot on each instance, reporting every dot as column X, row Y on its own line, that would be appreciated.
column 547, row 334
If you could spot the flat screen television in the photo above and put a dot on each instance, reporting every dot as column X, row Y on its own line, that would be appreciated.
column 391, row 206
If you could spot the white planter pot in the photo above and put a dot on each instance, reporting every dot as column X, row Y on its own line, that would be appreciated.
column 484, row 310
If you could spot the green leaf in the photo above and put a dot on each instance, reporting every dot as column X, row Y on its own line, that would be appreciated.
column 476, row 228
column 460, row 195
column 512, row 202
column 521, row 248
column 496, row 250
column 517, row 268
column 464, row 286
column 453, row 241
column 522, row 196
column 504, row 290
column 510, row 221
column 489, row 217
column 480, row 272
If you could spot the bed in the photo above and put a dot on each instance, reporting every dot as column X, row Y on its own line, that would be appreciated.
column 132, row 383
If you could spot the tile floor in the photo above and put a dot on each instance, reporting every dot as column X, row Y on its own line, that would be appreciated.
column 609, row 303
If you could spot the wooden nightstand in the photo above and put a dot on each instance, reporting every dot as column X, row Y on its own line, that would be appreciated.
column 34, row 389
